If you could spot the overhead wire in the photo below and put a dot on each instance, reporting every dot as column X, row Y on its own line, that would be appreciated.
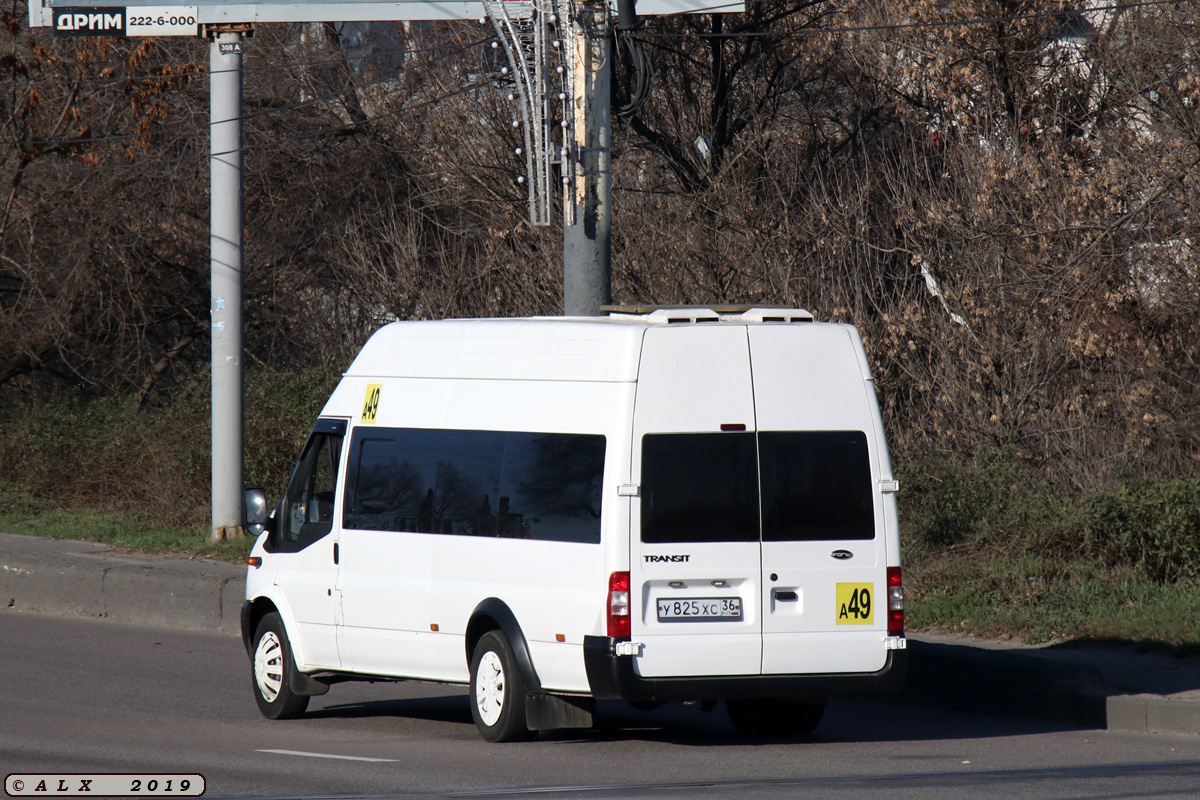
column 945, row 23
column 353, row 126
column 342, row 130
column 114, row 80
column 640, row 70
column 172, row 127
column 639, row 64
column 721, row 7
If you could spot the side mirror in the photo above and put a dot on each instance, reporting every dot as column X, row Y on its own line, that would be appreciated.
column 256, row 511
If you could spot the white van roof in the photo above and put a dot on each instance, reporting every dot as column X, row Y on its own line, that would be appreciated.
column 539, row 348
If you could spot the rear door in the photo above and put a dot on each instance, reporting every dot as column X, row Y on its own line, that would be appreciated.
column 824, row 595
column 695, row 560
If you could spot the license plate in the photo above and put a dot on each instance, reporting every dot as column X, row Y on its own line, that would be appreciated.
column 700, row 609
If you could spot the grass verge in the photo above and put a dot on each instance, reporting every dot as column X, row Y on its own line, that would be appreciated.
column 137, row 532
column 1038, row 600
column 995, row 547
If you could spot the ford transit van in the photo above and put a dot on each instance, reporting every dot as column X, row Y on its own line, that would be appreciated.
column 668, row 504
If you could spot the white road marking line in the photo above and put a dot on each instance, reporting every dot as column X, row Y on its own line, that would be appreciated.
column 325, row 755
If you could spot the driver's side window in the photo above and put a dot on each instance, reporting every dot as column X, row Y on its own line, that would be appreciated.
column 308, row 505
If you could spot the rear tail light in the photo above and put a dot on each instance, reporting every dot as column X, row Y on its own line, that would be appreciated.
column 895, row 598
column 618, row 604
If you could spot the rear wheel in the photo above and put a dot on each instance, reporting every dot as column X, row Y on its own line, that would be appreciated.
column 775, row 717
column 273, row 667
column 497, row 691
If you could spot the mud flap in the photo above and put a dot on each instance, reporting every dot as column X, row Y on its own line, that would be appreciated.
column 306, row 685
column 545, row 712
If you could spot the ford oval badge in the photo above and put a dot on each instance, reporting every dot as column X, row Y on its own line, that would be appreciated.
column 842, row 555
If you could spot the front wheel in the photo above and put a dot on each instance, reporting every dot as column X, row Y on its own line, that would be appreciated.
column 772, row 717
column 273, row 666
column 497, row 691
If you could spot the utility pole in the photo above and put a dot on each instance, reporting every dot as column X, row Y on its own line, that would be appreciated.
column 227, row 248
column 587, row 228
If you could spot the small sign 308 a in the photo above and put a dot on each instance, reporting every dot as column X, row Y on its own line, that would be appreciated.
column 122, row 21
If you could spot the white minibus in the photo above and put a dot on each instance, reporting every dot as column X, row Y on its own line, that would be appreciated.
column 664, row 504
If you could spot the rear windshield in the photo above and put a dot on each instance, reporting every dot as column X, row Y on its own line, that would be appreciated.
column 699, row 488
column 705, row 487
column 816, row 486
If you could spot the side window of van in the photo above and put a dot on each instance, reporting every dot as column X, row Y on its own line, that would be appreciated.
column 308, row 504
column 504, row 484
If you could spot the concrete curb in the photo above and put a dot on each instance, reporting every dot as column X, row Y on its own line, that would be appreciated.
column 86, row 579
column 1151, row 713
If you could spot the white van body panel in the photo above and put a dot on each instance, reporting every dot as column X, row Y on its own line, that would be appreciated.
column 306, row 583
column 400, row 601
column 816, row 382
column 694, row 383
column 551, row 588
column 302, row 645
column 384, row 582
column 551, row 349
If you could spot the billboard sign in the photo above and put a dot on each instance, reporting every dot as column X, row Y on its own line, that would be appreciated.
column 103, row 18
column 124, row 21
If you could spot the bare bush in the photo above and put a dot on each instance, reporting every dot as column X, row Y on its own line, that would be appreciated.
column 1001, row 207
column 1007, row 208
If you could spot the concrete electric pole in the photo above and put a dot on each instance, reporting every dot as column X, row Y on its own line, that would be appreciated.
column 227, row 247
column 587, row 234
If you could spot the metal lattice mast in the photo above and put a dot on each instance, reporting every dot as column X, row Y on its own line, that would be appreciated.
column 537, row 39
column 565, row 10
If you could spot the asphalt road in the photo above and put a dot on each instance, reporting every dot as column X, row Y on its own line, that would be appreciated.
column 83, row 696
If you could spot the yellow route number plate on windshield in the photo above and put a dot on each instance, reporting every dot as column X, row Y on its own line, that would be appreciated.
column 855, row 603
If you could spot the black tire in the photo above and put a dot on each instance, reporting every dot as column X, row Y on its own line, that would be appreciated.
column 271, row 670
column 497, row 691
column 775, row 717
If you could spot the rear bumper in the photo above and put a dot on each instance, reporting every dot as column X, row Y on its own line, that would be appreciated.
column 612, row 678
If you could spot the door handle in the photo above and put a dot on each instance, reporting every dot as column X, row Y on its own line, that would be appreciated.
column 336, row 553
column 787, row 596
